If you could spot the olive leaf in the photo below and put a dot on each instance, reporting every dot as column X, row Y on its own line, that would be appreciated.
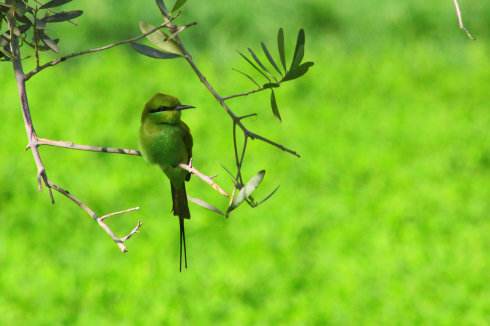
column 275, row 108
column 160, row 39
column 178, row 5
column 62, row 16
column 54, row 3
column 206, row 205
column 152, row 52
column 247, row 190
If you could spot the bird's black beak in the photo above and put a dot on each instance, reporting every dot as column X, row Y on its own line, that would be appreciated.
column 184, row 107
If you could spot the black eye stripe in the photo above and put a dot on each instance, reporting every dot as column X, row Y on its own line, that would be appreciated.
column 161, row 109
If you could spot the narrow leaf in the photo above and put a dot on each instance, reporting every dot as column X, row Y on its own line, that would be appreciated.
column 253, row 65
column 261, row 65
column 206, row 205
column 247, row 190
column 162, row 7
column 299, row 52
column 275, row 108
column 54, row 3
column 178, row 5
column 160, row 39
column 281, row 48
column 62, row 16
column 298, row 72
column 50, row 43
column 152, row 52
column 248, row 76
column 271, row 59
column 268, row 196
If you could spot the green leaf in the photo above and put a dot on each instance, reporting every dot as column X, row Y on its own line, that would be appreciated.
column 253, row 65
column 152, row 52
column 247, row 190
column 271, row 85
column 268, row 196
column 160, row 39
column 261, row 65
column 205, row 205
column 54, row 3
column 298, row 72
column 178, row 5
column 299, row 52
column 275, row 108
column 271, row 59
column 62, row 16
column 50, row 43
column 161, row 5
column 281, row 48
column 248, row 76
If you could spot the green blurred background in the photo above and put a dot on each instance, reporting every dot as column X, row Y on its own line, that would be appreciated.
column 384, row 219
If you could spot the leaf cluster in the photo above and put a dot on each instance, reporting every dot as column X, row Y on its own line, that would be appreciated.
column 31, row 20
column 277, row 71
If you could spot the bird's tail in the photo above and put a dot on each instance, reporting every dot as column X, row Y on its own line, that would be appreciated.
column 181, row 209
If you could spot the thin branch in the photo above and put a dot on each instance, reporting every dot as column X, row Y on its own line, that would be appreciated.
column 94, row 50
column 460, row 20
column 204, row 178
column 126, row 211
column 120, row 242
column 124, row 151
column 254, row 91
column 87, row 148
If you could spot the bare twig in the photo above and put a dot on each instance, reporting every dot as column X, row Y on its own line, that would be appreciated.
column 120, row 241
column 87, row 148
column 126, row 211
column 96, row 50
column 204, row 178
column 460, row 20
column 33, row 141
column 124, row 151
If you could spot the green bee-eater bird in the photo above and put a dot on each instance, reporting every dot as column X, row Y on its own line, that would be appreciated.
column 166, row 140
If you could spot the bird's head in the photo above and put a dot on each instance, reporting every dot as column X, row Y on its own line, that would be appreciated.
column 163, row 108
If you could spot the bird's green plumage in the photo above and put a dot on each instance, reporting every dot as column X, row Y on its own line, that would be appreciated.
column 166, row 140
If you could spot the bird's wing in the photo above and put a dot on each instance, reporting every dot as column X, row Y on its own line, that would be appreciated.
column 188, row 142
column 187, row 138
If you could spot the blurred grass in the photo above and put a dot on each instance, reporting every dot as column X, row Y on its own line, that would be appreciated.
column 383, row 220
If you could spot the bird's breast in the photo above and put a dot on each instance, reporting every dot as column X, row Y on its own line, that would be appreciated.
column 162, row 144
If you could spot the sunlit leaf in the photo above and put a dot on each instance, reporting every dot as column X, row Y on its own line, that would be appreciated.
column 54, row 3
column 298, row 72
column 62, row 16
column 253, row 65
column 271, row 59
column 281, row 48
column 247, row 190
column 152, row 52
column 178, row 5
column 206, row 205
column 160, row 39
column 275, row 108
